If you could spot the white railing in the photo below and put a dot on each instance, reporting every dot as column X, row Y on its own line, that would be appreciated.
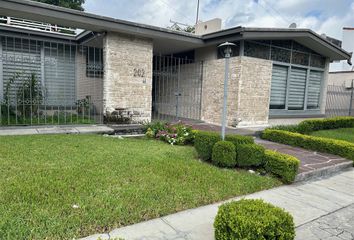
column 39, row 26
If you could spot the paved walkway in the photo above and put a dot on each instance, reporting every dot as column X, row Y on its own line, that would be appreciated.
column 64, row 129
column 321, row 209
column 313, row 164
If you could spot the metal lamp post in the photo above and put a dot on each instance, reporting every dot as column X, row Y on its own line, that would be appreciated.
column 226, row 49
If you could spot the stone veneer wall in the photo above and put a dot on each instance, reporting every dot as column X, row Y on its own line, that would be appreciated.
column 249, row 91
column 122, row 88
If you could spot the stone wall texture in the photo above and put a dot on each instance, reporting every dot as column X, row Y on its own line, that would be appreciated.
column 124, row 57
column 248, row 91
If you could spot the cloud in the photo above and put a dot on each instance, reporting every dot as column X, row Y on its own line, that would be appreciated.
column 322, row 16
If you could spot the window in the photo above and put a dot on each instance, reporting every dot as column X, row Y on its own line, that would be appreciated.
column 297, row 88
column 94, row 62
column 318, row 61
column 278, row 87
column 300, row 58
column 314, row 90
column 281, row 55
column 257, row 50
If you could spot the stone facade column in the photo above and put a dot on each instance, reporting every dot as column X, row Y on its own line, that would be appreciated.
column 127, row 80
column 249, row 91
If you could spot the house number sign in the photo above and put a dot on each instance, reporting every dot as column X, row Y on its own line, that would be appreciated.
column 139, row 72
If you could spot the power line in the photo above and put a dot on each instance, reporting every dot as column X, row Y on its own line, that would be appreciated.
column 276, row 11
column 176, row 11
column 279, row 16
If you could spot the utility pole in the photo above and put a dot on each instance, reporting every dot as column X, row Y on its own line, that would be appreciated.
column 351, row 99
column 197, row 19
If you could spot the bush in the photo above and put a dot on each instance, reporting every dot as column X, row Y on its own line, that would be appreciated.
column 250, row 155
column 253, row 219
column 238, row 139
column 281, row 165
column 289, row 128
column 204, row 143
column 154, row 127
column 309, row 126
column 336, row 147
column 224, row 154
column 175, row 134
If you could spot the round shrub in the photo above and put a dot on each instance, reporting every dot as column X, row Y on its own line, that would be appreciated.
column 204, row 143
column 250, row 155
column 224, row 154
column 253, row 219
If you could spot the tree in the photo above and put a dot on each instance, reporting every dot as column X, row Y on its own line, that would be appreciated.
column 73, row 4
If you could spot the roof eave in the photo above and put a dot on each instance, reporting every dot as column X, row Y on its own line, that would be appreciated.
column 88, row 21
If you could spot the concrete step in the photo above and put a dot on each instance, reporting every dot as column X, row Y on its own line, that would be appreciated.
column 324, row 172
column 127, row 129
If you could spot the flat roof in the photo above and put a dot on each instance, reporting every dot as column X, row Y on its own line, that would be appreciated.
column 165, row 39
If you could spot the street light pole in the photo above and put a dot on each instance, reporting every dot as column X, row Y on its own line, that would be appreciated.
column 227, row 50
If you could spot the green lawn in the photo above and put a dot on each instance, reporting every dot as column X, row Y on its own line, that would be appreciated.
column 113, row 182
column 346, row 134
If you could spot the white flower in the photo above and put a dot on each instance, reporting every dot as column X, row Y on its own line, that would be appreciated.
column 75, row 206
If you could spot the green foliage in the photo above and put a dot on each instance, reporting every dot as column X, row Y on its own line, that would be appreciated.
column 29, row 95
column 250, row 155
column 154, row 126
column 253, row 219
column 312, row 125
column 282, row 165
column 174, row 134
column 289, row 128
column 204, row 143
column 224, row 154
column 115, row 182
column 149, row 133
column 239, row 139
column 73, row 4
column 84, row 105
column 336, row 147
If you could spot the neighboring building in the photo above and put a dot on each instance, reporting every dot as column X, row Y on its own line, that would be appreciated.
column 151, row 72
column 341, row 73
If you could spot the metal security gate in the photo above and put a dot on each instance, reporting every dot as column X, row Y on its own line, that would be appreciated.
column 49, row 81
column 340, row 101
column 177, row 89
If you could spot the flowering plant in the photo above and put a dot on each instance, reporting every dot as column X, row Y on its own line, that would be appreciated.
column 174, row 134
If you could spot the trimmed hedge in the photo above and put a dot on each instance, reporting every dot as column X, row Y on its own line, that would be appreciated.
column 238, row 139
column 224, row 154
column 312, row 125
column 204, row 142
column 250, row 155
column 327, row 145
column 282, row 165
column 253, row 219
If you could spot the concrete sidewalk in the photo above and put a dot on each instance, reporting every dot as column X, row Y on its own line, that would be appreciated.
column 312, row 204
column 61, row 129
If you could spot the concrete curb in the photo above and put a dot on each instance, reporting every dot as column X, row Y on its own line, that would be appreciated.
column 323, row 172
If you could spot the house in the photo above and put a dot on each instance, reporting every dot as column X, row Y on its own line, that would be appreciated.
column 121, row 70
column 341, row 81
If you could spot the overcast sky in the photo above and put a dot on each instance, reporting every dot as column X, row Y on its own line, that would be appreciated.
column 323, row 16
